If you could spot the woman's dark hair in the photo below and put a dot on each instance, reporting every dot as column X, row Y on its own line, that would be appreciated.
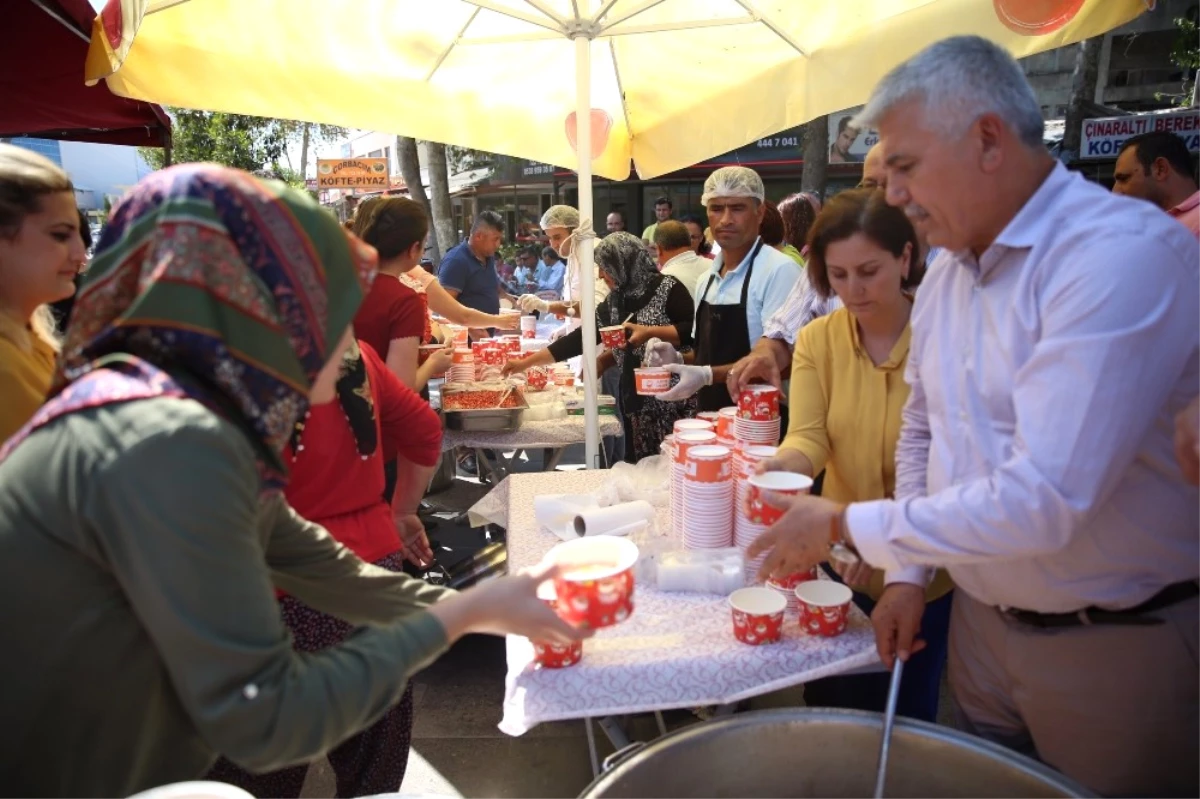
column 771, row 228
column 393, row 226
column 692, row 219
column 863, row 211
column 798, row 217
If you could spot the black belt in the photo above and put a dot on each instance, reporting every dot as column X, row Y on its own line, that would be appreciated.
column 1171, row 595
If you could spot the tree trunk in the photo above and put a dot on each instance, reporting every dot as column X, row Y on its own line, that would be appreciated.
column 410, row 170
column 439, row 188
column 1083, row 90
column 304, row 152
column 816, row 156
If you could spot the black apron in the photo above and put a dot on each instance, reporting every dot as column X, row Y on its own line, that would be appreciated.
column 722, row 337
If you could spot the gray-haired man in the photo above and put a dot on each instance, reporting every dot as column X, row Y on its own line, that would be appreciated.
column 1035, row 461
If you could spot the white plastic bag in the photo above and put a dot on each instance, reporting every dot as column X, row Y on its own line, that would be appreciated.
column 649, row 479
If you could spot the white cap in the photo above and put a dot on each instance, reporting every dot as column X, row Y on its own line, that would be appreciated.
column 733, row 181
column 560, row 216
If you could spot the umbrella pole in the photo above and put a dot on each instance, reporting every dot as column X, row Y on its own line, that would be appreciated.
column 587, row 312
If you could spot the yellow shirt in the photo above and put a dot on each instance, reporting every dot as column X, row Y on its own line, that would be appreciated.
column 24, row 381
column 845, row 414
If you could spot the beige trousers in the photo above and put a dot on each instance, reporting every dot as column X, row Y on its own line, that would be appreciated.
column 1113, row 707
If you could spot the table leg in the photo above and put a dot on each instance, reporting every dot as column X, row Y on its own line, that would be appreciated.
column 612, row 730
column 550, row 459
column 591, row 739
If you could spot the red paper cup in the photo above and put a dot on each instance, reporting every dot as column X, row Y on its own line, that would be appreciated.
column 557, row 656
column 788, row 483
column 536, row 378
column 824, row 607
column 463, row 357
column 692, row 438
column 651, row 380
column 595, row 587
column 709, row 416
column 708, row 464
column 791, row 582
column 613, row 337
column 757, row 615
column 459, row 334
column 759, row 402
column 546, row 654
column 528, row 327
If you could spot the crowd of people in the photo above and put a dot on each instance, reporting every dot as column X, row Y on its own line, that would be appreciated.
column 209, row 521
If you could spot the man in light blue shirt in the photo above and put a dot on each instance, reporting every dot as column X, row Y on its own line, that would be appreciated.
column 746, row 285
column 556, row 271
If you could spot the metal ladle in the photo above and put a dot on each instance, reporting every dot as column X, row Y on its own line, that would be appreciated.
column 889, row 721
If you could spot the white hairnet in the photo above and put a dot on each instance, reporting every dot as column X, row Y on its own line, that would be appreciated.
column 732, row 181
column 560, row 216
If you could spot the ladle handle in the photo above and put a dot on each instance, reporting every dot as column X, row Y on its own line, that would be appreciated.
column 889, row 721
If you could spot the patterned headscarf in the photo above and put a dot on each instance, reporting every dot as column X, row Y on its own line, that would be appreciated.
column 215, row 285
column 624, row 258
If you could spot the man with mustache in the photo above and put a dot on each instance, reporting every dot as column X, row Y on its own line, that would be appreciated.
column 744, row 287
column 1035, row 462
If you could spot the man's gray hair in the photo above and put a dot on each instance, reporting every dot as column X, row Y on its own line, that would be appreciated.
column 958, row 80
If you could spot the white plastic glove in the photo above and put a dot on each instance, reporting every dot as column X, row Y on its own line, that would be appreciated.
column 531, row 302
column 660, row 353
column 691, row 380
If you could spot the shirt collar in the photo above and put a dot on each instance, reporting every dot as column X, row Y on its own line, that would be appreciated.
column 683, row 256
column 719, row 261
column 895, row 357
column 1186, row 205
column 1034, row 221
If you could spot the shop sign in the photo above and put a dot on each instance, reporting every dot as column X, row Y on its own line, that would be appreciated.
column 532, row 169
column 352, row 173
column 848, row 144
column 781, row 148
column 1103, row 138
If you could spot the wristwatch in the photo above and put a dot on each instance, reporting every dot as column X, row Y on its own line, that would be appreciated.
column 840, row 548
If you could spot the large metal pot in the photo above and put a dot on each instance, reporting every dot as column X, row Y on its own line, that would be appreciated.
column 805, row 752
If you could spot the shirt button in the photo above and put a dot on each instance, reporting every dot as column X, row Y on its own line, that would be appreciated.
column 250, row 691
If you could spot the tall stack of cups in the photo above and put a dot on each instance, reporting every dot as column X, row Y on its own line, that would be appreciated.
column 688, row 433
column 458, row 333
column 757, row 420
column 707, row 495
column 725, row 435
column 745, row 531
column 462, row 366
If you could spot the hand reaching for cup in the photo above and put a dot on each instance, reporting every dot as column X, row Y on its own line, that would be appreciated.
column 660, row 353
column 515, row 365
column 508, row 321
column 531, row 302
column 507, row 606
column 441, row 359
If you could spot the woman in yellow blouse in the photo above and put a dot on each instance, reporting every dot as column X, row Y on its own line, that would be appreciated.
column 40, row 253
column 847, row 392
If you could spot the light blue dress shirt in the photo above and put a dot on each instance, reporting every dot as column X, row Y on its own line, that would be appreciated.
column 772, row 279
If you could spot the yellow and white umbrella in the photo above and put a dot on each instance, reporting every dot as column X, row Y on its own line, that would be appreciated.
column 660, row 83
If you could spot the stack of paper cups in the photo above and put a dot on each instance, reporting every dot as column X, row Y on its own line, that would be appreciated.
column 746, row 460
column 707, row 495
column 757, row 420
column 725, row 435
column 683, row 441
column 462, row 367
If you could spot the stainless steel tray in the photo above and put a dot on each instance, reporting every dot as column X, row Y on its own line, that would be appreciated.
column 491, row 420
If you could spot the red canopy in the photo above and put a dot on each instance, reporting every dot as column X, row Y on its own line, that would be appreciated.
column 41, row 81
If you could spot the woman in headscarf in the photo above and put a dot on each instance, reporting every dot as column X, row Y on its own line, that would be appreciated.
column 142, row 529
column 336, row 456
column 41, row 252
column 661, row 308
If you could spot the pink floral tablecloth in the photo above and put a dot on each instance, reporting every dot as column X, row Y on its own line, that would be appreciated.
column 676, row 651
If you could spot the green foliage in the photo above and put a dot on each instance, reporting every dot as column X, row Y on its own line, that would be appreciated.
column 464, row 159
column 1186, row 54
column 245, row 142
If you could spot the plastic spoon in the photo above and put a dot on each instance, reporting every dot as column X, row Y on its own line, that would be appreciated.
column 889, row 720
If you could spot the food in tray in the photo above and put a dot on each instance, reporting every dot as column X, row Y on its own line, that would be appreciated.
column 481, row 396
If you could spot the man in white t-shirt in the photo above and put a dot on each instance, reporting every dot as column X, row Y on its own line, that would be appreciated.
column 676, row 256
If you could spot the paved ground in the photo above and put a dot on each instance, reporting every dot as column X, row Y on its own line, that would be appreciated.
column 457, row 750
